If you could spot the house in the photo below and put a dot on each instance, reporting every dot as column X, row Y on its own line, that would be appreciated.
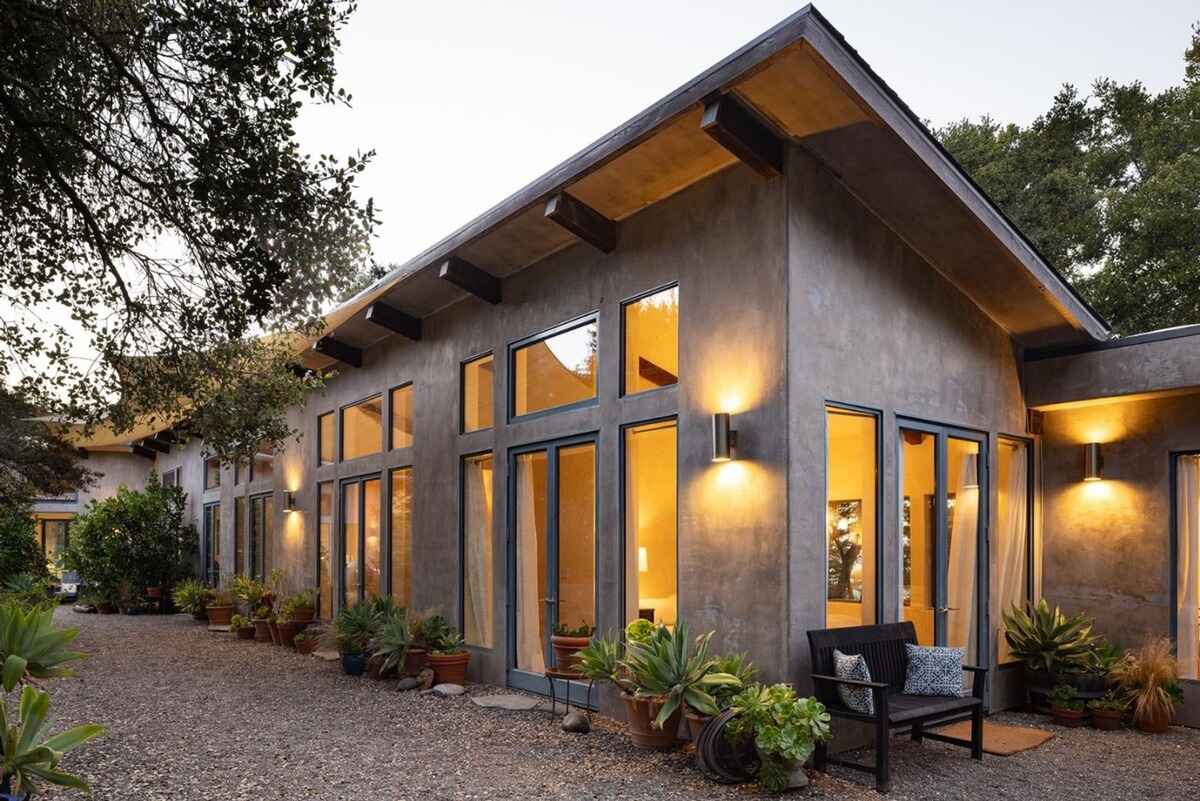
column 764, row 358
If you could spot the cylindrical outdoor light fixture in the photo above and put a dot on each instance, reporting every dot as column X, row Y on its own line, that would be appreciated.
column 1093, row 462
column 289, row 502
column 724, row 438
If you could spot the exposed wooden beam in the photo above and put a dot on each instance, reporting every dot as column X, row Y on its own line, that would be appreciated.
column 656, row 375
column 143, row 452
column 583, row 221
column 468, row 277
column 167, row 436
column 346, row 354
column 156, row 445
column 393, row 319
column 735, row 128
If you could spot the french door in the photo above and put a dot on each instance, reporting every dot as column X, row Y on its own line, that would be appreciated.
column 361, row 541
column 552, row 551
column 212, row 544
column 943, row 523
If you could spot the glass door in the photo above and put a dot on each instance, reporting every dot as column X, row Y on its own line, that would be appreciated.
column 212, row 544
column 552, row 542
column 943, row 509
column 361, row 543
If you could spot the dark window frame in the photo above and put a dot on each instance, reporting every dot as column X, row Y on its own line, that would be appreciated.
column 462, row 392
column 341, row 426
column 217, row 483
column 561, row 328
column 625, row 304
column 391, row 415
column 1031, row 587
column 333, row 419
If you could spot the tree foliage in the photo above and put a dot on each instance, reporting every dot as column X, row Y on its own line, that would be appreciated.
column 156, row 207
column 35, row 461
column 1108, row 188
column 20, row 551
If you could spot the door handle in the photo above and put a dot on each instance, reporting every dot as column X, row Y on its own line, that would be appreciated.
column 946, row 609
column 550, row 601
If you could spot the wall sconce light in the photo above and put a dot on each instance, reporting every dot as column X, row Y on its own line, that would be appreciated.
column 724, row 438
column 1093, row 462
column 289, row 502
column 970, row 479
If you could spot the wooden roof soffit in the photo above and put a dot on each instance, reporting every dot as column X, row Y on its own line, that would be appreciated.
column 740, row 131
column 391, row 318
column 346, row 354
column 156, row 444
column 144, row 452
column 469, row 278
column 583, row 221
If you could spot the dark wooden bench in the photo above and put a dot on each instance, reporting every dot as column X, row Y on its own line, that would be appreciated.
column 883, row 648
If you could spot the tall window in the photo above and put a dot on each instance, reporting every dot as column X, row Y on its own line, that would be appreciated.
column 851, row 517
column 401, row 531
column 212, row 472
column 54, row 541
column 557, row 370
column 362, row 428
column 171, row 478
column 651, row 341
column 1187, row 564
column 325, row 548
column 361, row 540
column 1014, row 532
column 651, row 535
column 262, row 534
column 477, row 381
column 402, row 416
column 477, row 549
column 239, row 535
column 325, row 440
column 262, row 466
column 212, row 543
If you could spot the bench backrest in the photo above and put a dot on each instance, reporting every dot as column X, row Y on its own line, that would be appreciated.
column 882, row 646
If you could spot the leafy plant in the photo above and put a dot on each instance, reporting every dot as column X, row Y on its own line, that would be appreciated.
column 584, row 629
column 29, row 591
column 639, row 630
column 239, row 622
column 192, row 596
column 32, row 647
column 354, row 626
column 248, row 591
column 26, row 757
column 601, row 661
column 667, row 668
column 393, row 641
column 1049, row 640
column 20, row 551
column 1149, row 677
column 1103, row 657
column 738, row 666
column 1110, row 702
column 1063, row 697
column 441, row 637
column 784, row 727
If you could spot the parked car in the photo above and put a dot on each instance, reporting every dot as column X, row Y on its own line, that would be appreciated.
column 67, row 587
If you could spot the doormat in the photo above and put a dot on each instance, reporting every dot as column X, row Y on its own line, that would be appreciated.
column 999, row 739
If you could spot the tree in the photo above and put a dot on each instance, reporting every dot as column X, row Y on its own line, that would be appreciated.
column 1108, row 188
column 34, row 460
column 156, row 207
column 20, row 552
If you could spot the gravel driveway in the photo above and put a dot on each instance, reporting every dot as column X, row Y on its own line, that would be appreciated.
column 194, row 715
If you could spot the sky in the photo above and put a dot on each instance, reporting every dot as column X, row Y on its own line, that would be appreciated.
column 466, row 102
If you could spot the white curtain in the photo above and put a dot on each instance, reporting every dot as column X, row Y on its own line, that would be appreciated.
column 961, row 596
column 477, row 612
column 530, row 649
column 1012, row 542
column 1187, row 645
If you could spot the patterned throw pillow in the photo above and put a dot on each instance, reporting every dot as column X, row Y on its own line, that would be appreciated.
column 853, row 666
column 933, row 670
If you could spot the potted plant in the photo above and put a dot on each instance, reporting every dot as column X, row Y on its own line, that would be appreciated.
column 192, row 596
column 219, row 607
column 1106, row 712
column 390, row 644
column 1054, row 648
column 262, row 624
column 1149, row 678
column 249, row 593
column 241, row 627
column 288, row 622
column 304, row 606
column 416, row 656
column 785, row 730
column 446, row 656
column 273, row 627
column 307, row 641
column 566, row 643
column 736, row 665
column 352, row 630
column 1066, row 706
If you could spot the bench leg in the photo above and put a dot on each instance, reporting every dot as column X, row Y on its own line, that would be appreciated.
column 918, row 732
column 977, row 733
column 882, row 774
column 821, row 757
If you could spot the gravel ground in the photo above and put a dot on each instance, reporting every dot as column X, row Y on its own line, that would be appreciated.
column 194, row 715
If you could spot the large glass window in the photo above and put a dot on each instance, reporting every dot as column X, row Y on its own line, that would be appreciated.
column 1187, row 564
column 262, row 534
column 652, row 341
column 362, row 428
column 401, row 533
column 851, row 517
column 212, row 472
column 651, row 540
column 361, row 539
column 212, row 543
column 402, row 417
column 325, row 440
column 558, row 370
column 239, row 535
column 325, row 548
column 54, row 542
column 918, row 528
column 477, row 550
column 1014, row 533
column 171, row 478
column 478, row 378
column 263, row 465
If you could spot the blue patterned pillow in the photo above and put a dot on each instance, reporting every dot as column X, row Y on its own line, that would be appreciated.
column 853, row 666
column 933, row 670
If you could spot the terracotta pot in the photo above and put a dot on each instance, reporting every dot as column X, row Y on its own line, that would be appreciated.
column 304, row 615
column 415, row 660
column 1107, row 719
column 695, row 723
column 262, row 629
column 273, row 627
column 288, row 631
column 641, row 713
column 449, row 668
column 566, row 651
column 306, row 646
column 245, row 633
column 220, row 615
column 1071, row 718
column 1155, row 725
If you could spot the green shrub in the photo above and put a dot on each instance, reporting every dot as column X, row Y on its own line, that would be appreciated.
column 1046, row 639
column 354, row 627
column 20, row 551
column 1064, row 697
column 785, row 729
column 192, row 596
column 671, row 668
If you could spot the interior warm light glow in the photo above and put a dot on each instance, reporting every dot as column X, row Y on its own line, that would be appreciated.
column 643, row 561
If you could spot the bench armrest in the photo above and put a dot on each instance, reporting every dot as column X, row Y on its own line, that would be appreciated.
column 873, row 685
column 975, row 668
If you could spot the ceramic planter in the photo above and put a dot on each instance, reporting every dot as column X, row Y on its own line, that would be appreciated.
column 449, row 668
column 566, row 652
column 1071, row 718
column 641, row 713
column 305, row 615
column 415, row 660
column 354, row 664
column 219, row 615
column 1107, row 719
column 262, row 629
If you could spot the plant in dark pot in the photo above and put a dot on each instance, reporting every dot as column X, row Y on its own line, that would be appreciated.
column 1054, row 648
column 353, row 628
column 567, row 642
column 242, row 628
column 1107, row 711
column 262, row 624
column 447, row 655
column 219, row 607
column 1067, row 706
column 784, row 728
column 304, row 606
column 1149, row 678
column 192, row 597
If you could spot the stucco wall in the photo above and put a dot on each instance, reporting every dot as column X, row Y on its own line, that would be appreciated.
column 112, row 471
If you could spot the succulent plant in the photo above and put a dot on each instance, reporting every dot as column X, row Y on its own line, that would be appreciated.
column 670, row 668
column 1046, row 639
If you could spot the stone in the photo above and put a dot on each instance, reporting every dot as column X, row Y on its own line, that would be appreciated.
column 448, row 690
column 223, row 629
column 408, row 683
column 576, row 722
column 328, row 656
column 513, row 703
column 426, row 678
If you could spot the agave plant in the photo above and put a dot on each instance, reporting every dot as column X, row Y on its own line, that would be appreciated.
column 192, row 596
column 354, row 627
column 737, row 665
column 601, row 661
column 666, row 667
column 31, row 647
column 26, row 758
column 1046, row 639
column 392, row 641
